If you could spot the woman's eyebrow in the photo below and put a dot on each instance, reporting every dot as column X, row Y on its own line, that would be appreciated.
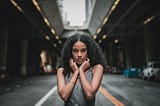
column 84, row 49
column 74, row 48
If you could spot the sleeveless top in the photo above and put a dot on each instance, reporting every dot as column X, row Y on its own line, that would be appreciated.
column 77, row 97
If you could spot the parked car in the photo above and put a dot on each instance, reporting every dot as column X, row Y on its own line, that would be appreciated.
column 130, row 72
column 3, row 75
column 140, row 72
column 151, row 71
column 116, row 70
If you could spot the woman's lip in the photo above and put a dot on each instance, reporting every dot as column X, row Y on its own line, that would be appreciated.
column 79, row 59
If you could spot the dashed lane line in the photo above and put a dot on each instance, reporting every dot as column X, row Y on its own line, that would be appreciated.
column 44, row 98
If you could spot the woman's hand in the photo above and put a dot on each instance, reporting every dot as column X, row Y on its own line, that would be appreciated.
column 73, row 65
column 85, row 65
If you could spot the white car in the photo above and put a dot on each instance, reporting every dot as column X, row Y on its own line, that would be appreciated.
column 151, row 71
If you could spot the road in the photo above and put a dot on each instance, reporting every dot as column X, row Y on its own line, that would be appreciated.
column 115, row 90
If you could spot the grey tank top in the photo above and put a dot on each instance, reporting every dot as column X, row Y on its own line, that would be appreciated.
column 77, row 97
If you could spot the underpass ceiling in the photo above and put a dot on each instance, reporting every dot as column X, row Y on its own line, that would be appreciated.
column 27, row 23
column 51, row 11
column 127, row 18
column 101, row 9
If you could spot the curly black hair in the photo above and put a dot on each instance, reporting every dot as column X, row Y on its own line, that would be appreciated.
column 93, row 50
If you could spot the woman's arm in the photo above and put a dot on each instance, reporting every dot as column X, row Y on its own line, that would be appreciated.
column 90, row 89
column 65, row 89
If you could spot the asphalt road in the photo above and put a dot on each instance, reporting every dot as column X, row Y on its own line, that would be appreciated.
column 115, row 90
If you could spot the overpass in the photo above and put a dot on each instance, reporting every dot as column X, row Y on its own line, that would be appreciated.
column 127, row 31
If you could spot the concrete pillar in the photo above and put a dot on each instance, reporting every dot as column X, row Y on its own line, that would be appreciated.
column 58, row 62
column 121, row 57
column 129, row 50
column 110, row 59
column 151, row 42
column 23, row 68
column 3, row 48
column 54, row 61
column 114, row 54
column 107, row 54
column 139, row 52
column 44, row 60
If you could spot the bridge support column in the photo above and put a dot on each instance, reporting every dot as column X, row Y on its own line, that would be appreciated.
column 139, row 57
column 129, row 53
column 3, row 48
column 151, row 46
column 23, row 68
column 114, row 54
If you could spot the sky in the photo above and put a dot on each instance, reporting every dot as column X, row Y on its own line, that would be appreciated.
column 75, row 11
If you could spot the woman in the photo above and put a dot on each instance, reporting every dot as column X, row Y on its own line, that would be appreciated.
column 82, row 70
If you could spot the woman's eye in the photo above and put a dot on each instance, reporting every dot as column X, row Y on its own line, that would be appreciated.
column 83, row 50
column 75, row 50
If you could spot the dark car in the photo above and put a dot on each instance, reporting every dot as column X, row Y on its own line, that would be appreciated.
column 130, row 72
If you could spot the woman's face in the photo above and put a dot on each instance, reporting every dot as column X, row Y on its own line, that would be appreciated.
column 79, row 52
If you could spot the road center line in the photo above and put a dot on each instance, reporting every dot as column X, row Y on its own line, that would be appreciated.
column 115, row 101
column 44, row 98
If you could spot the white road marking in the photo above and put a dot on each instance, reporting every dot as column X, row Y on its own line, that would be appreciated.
column 145, row 87
column 44, row 98
column 130, row 83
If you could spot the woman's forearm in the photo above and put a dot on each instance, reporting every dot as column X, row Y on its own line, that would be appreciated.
column 88, row 90
column 65, row 92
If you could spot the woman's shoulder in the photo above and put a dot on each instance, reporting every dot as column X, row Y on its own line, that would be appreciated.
column 97, row 67
column 60, row 70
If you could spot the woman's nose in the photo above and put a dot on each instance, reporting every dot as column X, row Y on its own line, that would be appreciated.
column 79, row 54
